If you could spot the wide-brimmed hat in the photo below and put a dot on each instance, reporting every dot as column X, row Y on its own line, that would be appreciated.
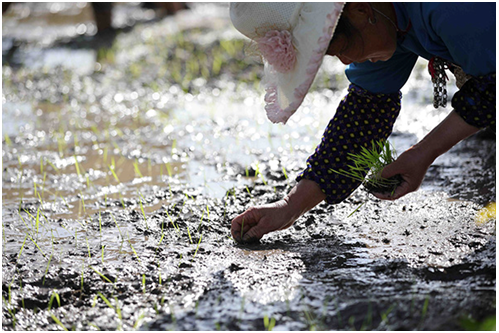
column 292, row 38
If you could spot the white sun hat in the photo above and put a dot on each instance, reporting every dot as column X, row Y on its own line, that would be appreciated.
column 292, row 38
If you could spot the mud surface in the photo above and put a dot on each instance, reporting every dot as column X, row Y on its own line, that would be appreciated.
column 121, row 175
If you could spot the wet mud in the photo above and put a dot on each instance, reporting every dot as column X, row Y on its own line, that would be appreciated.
column 119, row 186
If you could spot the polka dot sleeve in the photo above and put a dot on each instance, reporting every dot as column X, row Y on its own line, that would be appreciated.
column 475, row 102
column 360, row 118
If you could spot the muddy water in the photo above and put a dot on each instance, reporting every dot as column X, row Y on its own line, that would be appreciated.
column 121, row 175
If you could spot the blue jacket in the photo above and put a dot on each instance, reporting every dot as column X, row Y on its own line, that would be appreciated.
column 462, row 33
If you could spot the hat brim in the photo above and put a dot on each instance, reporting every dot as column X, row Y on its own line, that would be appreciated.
column 312, row 34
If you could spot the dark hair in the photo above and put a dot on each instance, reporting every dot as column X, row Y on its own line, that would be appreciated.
column 346, row 28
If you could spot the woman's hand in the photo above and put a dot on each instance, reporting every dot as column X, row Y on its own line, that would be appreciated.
column 412, row 166
column 257, row 221
column 413, row 163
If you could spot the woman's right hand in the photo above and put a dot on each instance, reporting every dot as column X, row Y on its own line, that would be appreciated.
column 255, row 222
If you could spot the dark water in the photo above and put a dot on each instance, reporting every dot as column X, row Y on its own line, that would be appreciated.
column 125, row 156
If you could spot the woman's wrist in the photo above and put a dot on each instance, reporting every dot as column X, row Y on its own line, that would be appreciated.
column 303, row 197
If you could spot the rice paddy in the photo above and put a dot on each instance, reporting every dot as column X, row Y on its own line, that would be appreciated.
column 119, row 185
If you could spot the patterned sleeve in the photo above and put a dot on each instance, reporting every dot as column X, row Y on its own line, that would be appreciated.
column 475, row 102
column 360, row 118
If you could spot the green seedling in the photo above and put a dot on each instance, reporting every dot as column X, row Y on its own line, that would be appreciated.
column 7, row 140
column 57, row 321
column 37, row 224
column 101, row 275
column 142, row 209
column 371, row 162
column 189, row 234
column 77, row 165
column 57, row 298
column 117, row 226
column 197, row 248
column 22, row 247
column 82, row 204
column 118, row 312
column 137, row 170
column 367, row 323
column 285, row 173
column 384, row 315
column 88, row 247
column 249, row 192
column 111, row 167
column 94, row 326
column 139, row 320
column 47, row 269
column 143, row 283
column 54, row 167
column 27, row 234
column 131, row 246
column 425, row 309
column 268, row 323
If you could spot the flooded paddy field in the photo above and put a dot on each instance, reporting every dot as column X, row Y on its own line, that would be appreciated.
column 127, row 154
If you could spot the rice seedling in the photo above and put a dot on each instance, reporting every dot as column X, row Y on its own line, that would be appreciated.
column 101, row 275
column 133, row 249
column 53, row 167
column 197, row 248
column 142, row 209
column 22, row 247
column 122, row 200
column 43, row 186
column 37, row 224
column 47, row 269
column 104, row 155
column 371, row 162
column 249, row 192
column 137, row 169
column 160, row 280
column 7, row 140
column 117, row 226
column 55, row 296
column 94, row 326
column 189, row 234
column 112, row 167
column 268, row 323
column 172, row 314
column 139, row 320
column 82, row 204
column 367, row 323
column 88, row 248
column 384, row 315
column 285, row 173
column 57, row 321
column 32, row 240
column 425, row 309
column 143, row 283
column 35, row 193
column 118, row 312
column 108, row 303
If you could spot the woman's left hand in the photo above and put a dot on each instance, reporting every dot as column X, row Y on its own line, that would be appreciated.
column 412, row 166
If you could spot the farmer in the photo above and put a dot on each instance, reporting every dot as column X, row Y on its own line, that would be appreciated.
column 380, row 43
